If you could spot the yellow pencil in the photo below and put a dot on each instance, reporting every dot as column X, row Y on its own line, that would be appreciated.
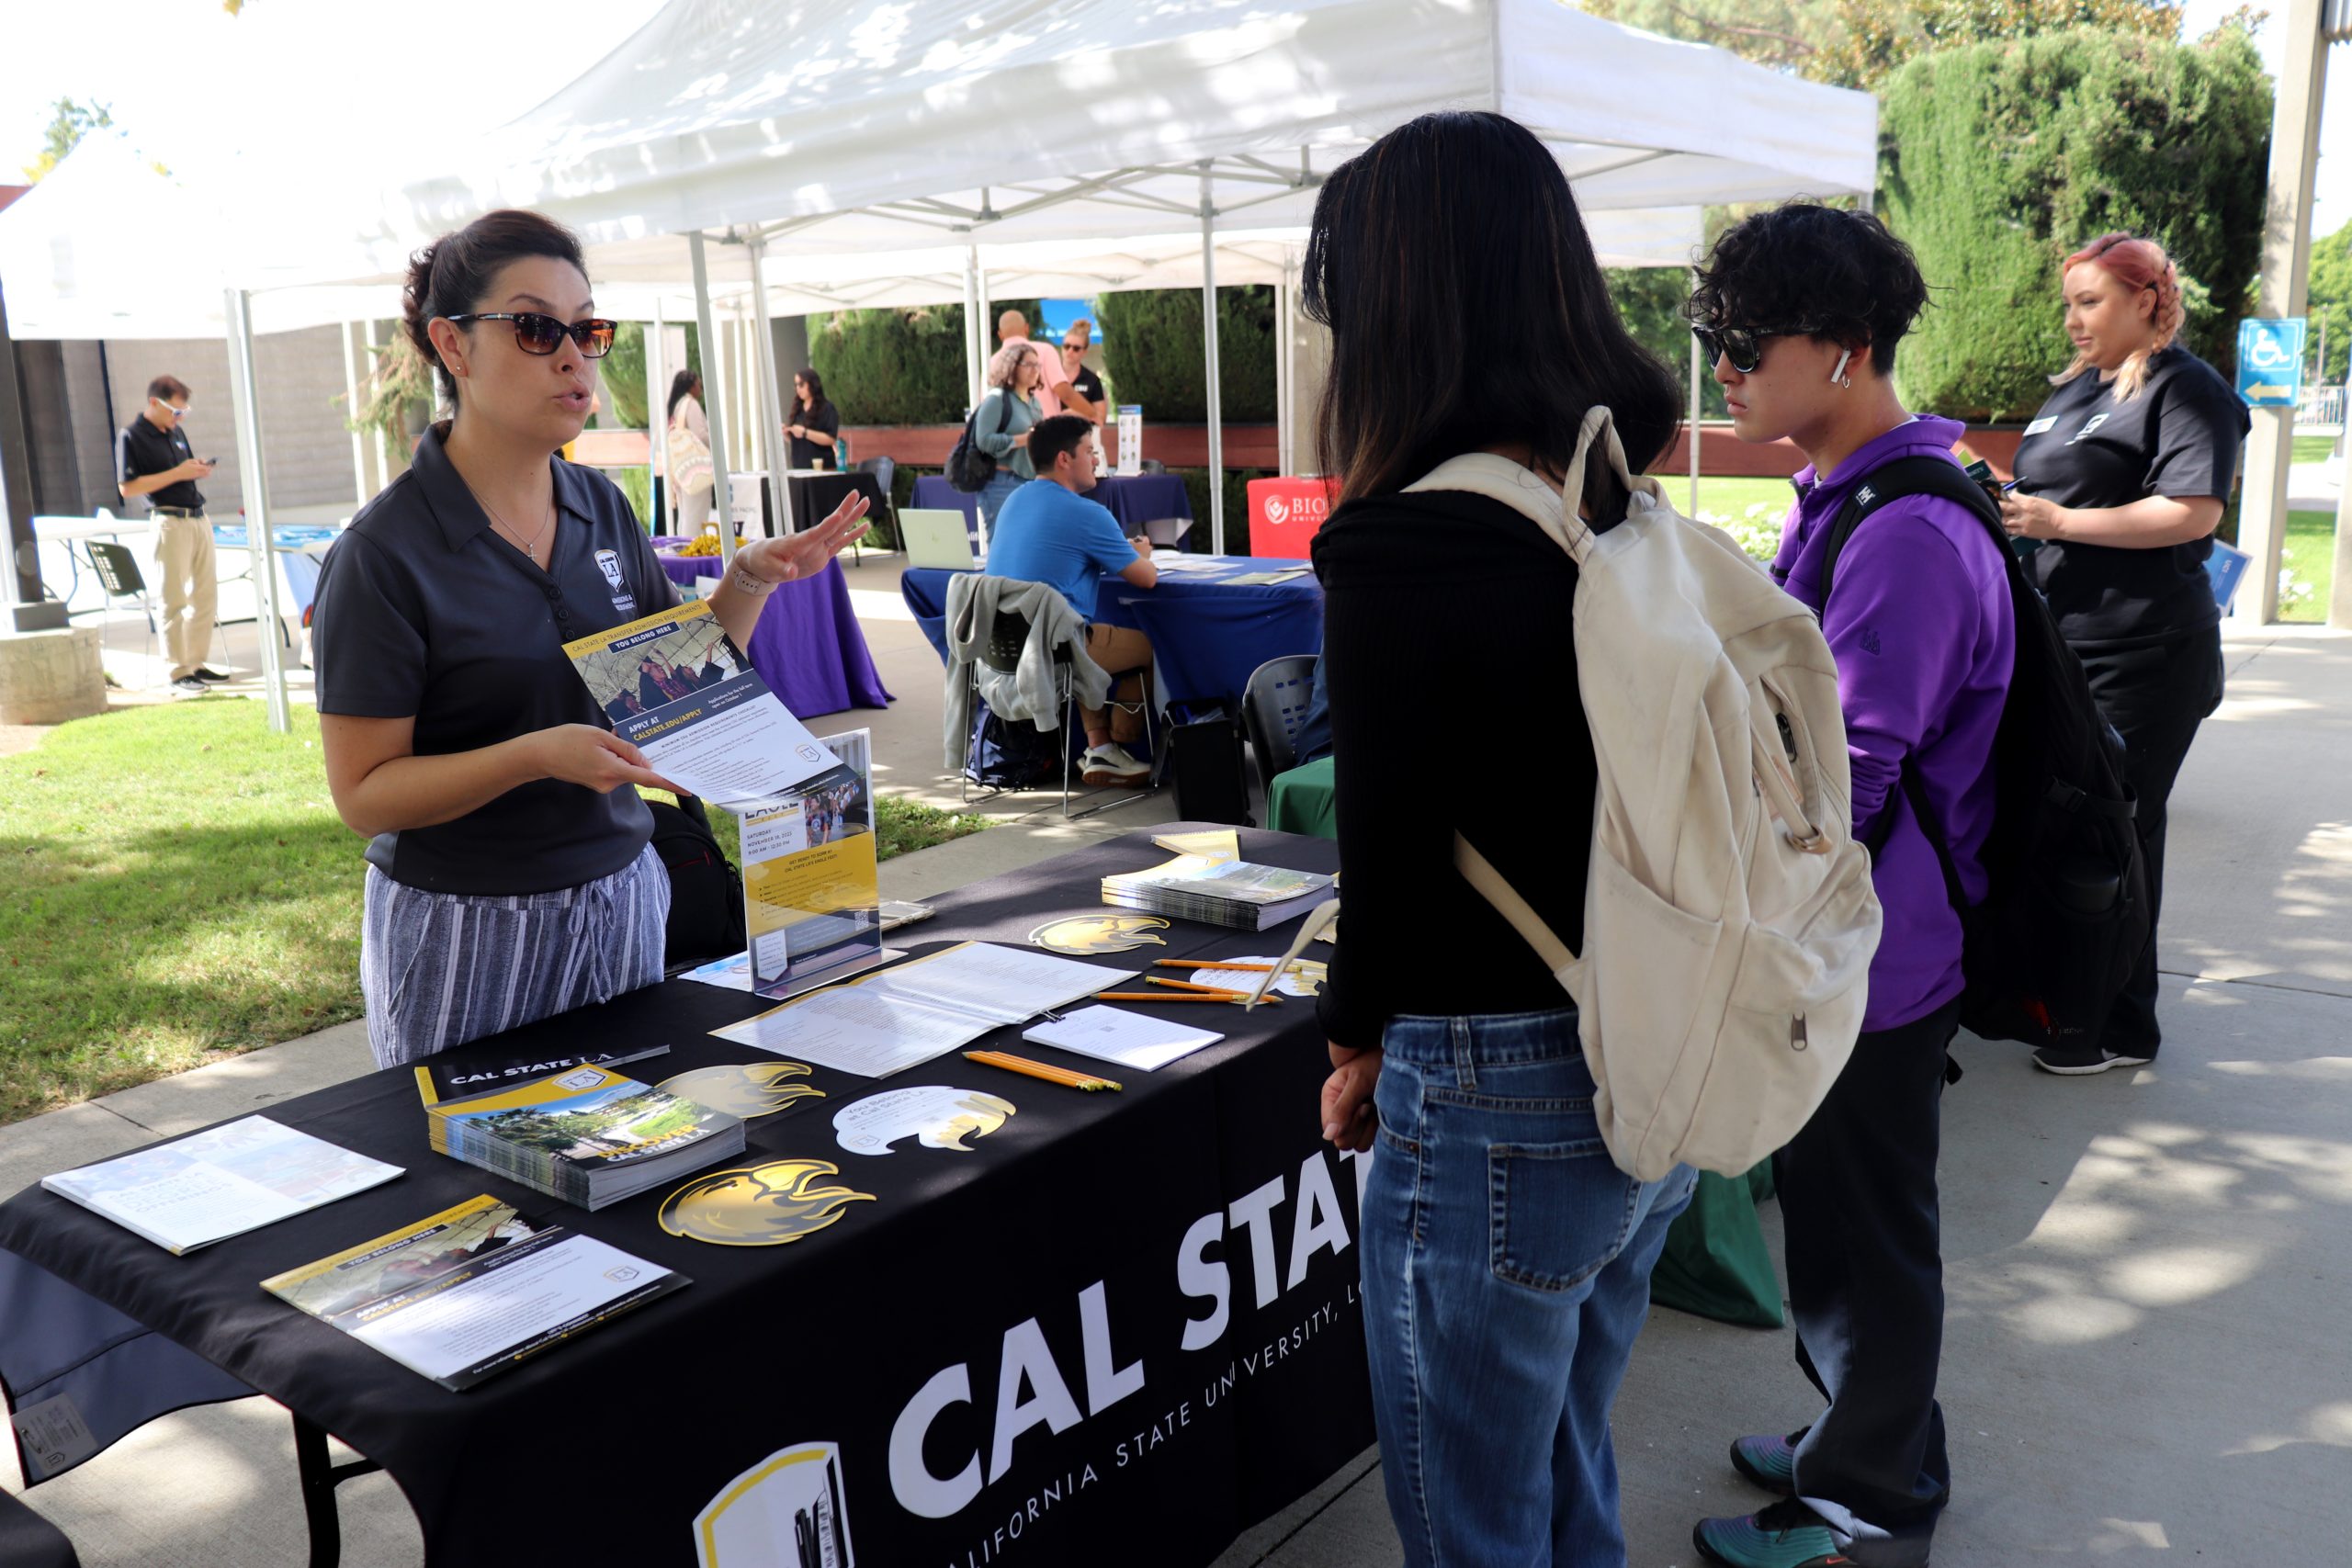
column 1235, row 999
column 1247, row 968
column 1189, row 986
column 1044, row 1070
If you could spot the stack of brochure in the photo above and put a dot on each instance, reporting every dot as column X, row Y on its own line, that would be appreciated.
column 1221, row 892
column 588, row 1136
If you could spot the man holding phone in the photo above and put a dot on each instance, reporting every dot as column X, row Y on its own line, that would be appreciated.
column 153, row 459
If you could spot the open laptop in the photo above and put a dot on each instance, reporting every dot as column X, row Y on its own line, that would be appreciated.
column 936, row 538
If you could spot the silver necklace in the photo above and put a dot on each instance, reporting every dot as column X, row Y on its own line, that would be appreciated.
column 515, row 534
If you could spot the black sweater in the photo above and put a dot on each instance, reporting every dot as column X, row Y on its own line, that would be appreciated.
column 1451, row 670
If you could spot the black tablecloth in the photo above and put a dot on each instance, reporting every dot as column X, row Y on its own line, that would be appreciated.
column 1047, row 1305
column 814, row 496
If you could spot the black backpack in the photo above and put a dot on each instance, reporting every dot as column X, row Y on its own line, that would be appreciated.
column 706, row 890
column 969, row 468
column 2067, row 916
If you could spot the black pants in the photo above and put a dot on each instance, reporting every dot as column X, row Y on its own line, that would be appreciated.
column 1866, row 1288
column 2155, row 697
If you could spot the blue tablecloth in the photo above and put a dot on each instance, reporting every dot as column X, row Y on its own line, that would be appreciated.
column 1134, row 499
column 1207, row 632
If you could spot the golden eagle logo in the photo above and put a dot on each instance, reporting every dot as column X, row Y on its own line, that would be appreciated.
column 748, row 1089
column 1099, row 933
column 761, row 1205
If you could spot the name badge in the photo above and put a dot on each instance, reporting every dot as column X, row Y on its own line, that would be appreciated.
column 2039, row 425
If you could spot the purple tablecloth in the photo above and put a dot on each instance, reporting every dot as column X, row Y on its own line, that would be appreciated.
column 808, row 647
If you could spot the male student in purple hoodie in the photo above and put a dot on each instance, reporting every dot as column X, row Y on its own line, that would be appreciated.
column 1802, row 308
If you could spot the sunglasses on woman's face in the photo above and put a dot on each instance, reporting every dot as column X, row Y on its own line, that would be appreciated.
column 535, row 333
column 1744, row 346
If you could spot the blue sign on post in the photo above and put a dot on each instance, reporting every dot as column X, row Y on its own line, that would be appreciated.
column 2270, row 361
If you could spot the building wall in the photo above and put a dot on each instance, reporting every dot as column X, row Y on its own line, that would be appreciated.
column 304, row 438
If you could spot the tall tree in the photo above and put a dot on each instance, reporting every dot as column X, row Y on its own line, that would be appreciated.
column 1857, row 43
column 2330, row 301
column 71, row 122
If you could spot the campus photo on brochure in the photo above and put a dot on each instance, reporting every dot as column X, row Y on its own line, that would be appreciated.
column 1352, row 784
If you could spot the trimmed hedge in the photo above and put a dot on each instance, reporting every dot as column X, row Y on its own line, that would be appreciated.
column 898, row 366
column 1152, row 344
column 1651, row 301
column 1999, row 158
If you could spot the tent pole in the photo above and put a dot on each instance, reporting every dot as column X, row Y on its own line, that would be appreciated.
column 1285, row 303
column 657, row 420
column 986, row 326
column 976, row 359
column 706, row 326
column 1208, row 337
column 1698, row 381
column 383, row 443
column 351, row 412
column 769, row 402
column 253, row 483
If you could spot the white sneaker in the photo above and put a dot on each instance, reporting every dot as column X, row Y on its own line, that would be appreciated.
column 1112, row 764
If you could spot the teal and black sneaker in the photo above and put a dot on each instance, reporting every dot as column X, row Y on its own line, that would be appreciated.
column 1786, row 1535
column 1770, row 1462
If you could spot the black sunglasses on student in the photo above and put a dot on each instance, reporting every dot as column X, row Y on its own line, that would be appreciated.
column 535, row 333
column 1744, row 346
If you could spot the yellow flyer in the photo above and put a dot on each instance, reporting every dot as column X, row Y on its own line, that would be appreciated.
column 811, row 884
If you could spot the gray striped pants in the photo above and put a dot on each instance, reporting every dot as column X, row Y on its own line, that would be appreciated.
column 438, row 969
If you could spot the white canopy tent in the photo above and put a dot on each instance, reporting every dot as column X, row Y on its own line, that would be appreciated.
column 807, row 129
column 816, row 134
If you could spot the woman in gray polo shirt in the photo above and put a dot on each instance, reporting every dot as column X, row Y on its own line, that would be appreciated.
column 510, row 874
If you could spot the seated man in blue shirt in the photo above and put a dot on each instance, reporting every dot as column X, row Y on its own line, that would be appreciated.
column 1049, row 533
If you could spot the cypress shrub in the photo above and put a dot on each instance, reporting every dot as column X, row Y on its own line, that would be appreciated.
column 898, row 366
column 1152, row 342
column 1999, row 158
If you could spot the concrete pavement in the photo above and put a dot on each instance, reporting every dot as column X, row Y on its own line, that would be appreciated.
column 2145, row 1359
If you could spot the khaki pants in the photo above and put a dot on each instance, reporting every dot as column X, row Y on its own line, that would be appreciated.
column 191, row 589
column 1118, row 648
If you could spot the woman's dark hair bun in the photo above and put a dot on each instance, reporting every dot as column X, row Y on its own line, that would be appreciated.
column 452, row 275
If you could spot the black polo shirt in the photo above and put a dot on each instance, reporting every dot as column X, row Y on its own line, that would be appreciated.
column 140, row 449
column 424, row 609
column 2178, row 439
column 824, row 418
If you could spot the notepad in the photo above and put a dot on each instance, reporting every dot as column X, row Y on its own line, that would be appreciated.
column 1114, row 1035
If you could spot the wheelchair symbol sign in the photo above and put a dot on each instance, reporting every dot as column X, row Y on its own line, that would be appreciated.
column 2270, row 361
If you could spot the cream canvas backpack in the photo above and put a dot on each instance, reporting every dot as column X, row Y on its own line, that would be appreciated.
column 1729, row 919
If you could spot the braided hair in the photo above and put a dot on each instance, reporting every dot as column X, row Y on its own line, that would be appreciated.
column 2137, row 263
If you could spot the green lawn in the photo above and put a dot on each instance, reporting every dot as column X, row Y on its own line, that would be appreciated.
column 2313, row 448
column 179, row 890
column 2309, row 554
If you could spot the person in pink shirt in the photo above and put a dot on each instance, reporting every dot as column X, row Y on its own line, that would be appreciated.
column 1055, row 393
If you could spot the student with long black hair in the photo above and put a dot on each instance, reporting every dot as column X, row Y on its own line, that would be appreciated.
column 510, row 872
column 1450, row 1044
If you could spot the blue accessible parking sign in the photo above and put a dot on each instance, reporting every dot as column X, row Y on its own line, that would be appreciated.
column 2270, row 361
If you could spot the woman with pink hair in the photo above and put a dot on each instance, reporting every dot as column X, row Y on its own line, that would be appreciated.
column 2121, row 478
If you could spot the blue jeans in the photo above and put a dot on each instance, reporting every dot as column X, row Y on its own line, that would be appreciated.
column 1506, row 1272
column 993, row 495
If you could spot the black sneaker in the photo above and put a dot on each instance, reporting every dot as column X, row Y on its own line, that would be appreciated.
column 1769, row 1459
column 208, row 673
column 1786, row 1535
column 2083, row 1063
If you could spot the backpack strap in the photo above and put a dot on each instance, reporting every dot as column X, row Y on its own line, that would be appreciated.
column 1499, row 478
column 1922, row 475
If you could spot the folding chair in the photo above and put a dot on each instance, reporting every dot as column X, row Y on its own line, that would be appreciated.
column 1271, row 708
column 1008, row 636
column 118, row 572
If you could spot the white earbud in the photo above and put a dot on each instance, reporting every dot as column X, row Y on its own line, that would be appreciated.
column 1839, row 375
